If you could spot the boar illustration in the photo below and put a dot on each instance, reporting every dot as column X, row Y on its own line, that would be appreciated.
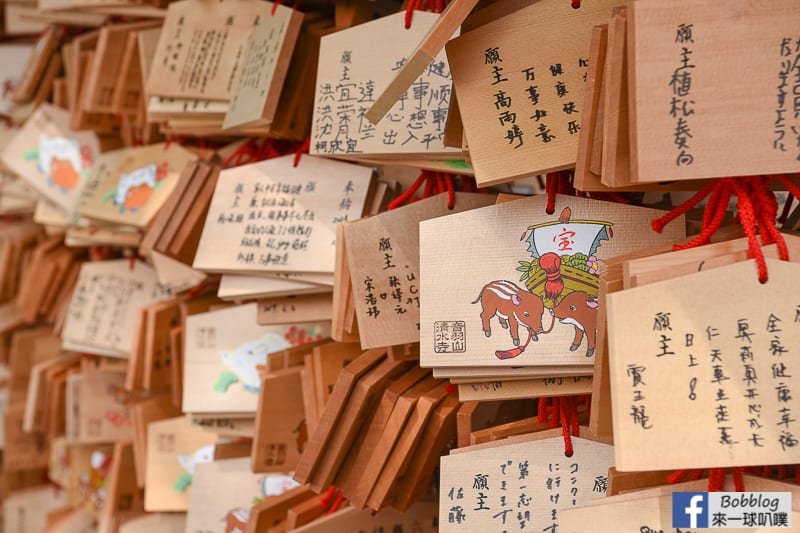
column 512, row 306
column 580, row 310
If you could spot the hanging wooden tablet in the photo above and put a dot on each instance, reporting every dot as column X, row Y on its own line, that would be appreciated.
column 348, row 377
column 421, row 516
column 521, row 485
column 53, row 158
column 224, row 491
column 561, row 273
column 272, row 216
column 350, row 77
column 27, row 509
column 680, row 107
column 124, row 500
column 386, row 437
column 236, row 287
column 223, row 350
column 647, row 511
column 521, row 115
column 439, row 433
column 102, row 312
column 536, row 388
column 102, row 417
column 293, row 309
column 352, row 417
column 155, row 523
column 281, row 430
column 716, row 340
column 46, row 45
column 103, row 72
column 136, row 184
column 14, row 59
column 181, row 70
column 267, row 57
column 383, row 254
column 174, row 449
column 143, row 412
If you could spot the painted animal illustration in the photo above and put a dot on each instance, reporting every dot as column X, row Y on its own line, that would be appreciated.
column 135, row 188
column 580, row 310
column 200, row 455
column 243, row 362
column 236, row 520
column 277, row 485
column 188, row 463
column 60, row 160
column 513, row 307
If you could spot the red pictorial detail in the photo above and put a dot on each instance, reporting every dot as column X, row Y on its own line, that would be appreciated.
column 576, row 4
column 551, row 264
column 450, row 388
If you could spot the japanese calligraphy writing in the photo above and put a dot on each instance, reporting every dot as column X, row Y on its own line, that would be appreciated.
column 350, row 79
column 730, row 377
column 520, row 487
column 787, row 119
column 681, row 105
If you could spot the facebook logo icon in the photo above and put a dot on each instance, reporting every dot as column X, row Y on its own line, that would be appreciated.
column 689, row 509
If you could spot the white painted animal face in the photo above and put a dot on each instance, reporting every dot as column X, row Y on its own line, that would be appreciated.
column 201, row 455
column 245, row 358
column 59, row 147
column 145, row 175
column 277, row 485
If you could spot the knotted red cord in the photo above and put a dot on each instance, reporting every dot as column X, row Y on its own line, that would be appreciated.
column 435, row 183
column 757, row 211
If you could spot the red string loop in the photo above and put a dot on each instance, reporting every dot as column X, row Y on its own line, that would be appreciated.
column 304, row 149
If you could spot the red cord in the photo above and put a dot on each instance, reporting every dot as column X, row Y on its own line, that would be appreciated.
column 327, row 498
column 738, row 479
column 659, row 223
column 541, row 411
column 451, row 193
column 336, row 504
column 677, row 476
column 550, row 185
column 716, row 479
column 748, row 219
column 451, row 388
column 408, row 193
column 304, row 149
column 576, row 4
